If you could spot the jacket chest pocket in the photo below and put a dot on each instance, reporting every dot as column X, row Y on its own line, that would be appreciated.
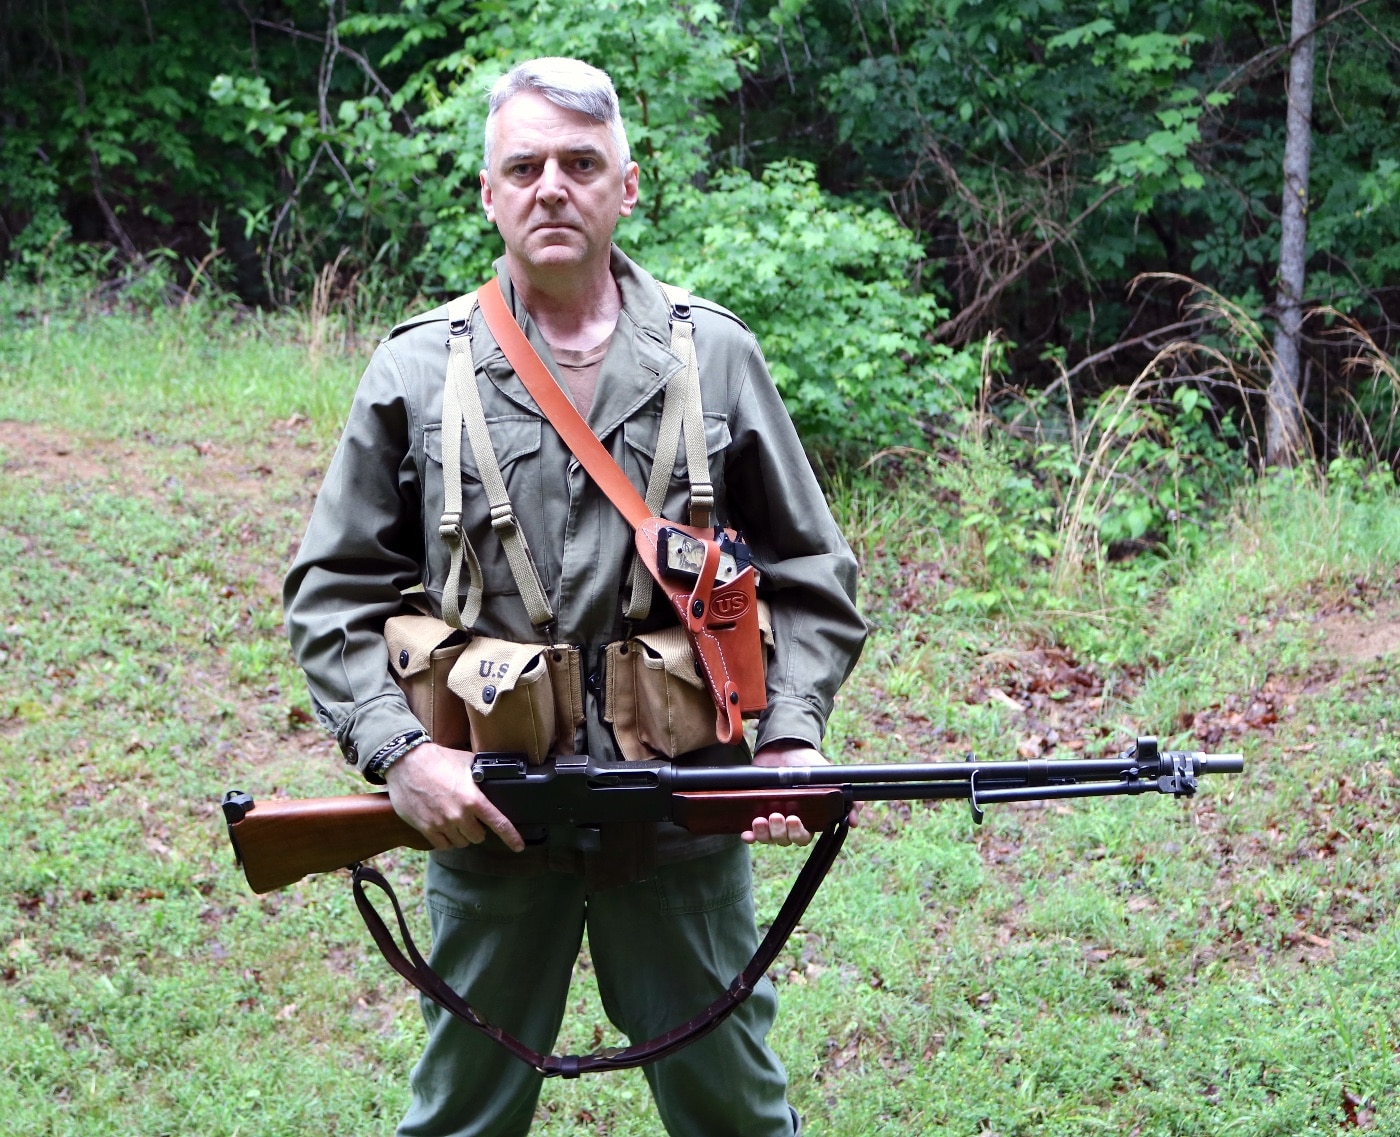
column 516, row 442
column 641, row 433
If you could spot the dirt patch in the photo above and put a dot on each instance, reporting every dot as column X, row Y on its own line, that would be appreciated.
column 283, row 471
column 142, row 464
column 1360, row 637
column 285, row 468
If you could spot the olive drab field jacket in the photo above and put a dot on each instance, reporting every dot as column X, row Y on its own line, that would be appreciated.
column 374, row 531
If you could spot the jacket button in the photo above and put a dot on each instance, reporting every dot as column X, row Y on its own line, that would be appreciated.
column 595, row 683
column 488, row 694
column 403, row 658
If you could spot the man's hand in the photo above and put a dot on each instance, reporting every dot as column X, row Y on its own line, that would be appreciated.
column 777, row 829
column 431, row 788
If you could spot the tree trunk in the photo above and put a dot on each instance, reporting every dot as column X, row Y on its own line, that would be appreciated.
column 1284, row 422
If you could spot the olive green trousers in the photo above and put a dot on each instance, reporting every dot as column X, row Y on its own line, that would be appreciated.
column 662, row 950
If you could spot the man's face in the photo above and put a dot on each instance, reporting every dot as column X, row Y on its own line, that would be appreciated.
column 555, row 189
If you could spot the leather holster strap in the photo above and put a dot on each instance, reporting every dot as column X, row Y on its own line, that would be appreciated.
column 722, row 621
column 414, row 968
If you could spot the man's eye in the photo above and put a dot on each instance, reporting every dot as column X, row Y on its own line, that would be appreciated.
column 586, row 164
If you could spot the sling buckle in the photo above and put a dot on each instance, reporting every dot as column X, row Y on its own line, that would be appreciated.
column 503, row 518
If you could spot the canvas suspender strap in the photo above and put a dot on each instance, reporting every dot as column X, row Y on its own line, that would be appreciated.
column 465, row 405
column 663, row 462
column 702, row 491
column 682, row 411
column 450, row 528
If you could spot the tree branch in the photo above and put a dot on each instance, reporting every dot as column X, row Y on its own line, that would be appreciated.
column 119, row 234
column 355, row 57
column 1190, row 327
column 956, row 327
column 1251, row 67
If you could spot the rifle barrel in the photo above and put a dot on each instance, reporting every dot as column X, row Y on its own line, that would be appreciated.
column 1038, row 772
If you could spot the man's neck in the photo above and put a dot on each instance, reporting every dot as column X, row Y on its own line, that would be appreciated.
column 574, row 309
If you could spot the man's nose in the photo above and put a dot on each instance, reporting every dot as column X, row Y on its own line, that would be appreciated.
column 551, row 183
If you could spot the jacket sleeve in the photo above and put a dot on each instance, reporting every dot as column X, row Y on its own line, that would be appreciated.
column 361, row 551
column 808, row 569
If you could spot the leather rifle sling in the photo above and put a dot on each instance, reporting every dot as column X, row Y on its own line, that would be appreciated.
column 414, row 968
column 608, row 475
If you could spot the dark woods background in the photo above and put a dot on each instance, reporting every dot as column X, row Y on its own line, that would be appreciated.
column 879, row 185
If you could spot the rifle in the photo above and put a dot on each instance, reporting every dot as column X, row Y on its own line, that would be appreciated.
column 280, row 842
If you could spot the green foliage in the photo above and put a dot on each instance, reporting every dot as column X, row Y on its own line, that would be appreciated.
column 823, row 284
column 1034, row 105
column 1002, row 522
column 1141, row 136
column 823, row 281
column 100, row 102
column 1177, row 465
column 1038, row 156
column 1044, row 514
column 1360, row 478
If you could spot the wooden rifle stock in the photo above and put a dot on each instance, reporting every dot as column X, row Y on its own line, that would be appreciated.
column 733, row 811
column 279, row 842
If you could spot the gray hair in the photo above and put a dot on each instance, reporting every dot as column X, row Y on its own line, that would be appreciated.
column 568, row 83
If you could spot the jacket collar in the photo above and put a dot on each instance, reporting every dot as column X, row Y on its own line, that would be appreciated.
column 639, row 360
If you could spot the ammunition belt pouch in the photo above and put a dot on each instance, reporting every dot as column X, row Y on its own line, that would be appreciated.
column 480, row 693
column 656, row 699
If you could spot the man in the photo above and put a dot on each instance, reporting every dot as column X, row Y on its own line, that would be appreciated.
column 668, row 915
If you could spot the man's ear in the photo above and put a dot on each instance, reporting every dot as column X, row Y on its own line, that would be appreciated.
column 486, row 197
column 630, row 183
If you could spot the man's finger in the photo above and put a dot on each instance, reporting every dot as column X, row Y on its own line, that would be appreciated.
column 798, row 833
column 777, row 829
column 499, row 824
column 470, row 830
column 776, row 826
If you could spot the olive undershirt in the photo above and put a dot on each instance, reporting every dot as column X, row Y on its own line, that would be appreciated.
column 580, row 370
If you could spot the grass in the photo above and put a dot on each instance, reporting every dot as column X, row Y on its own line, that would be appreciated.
column 187, row 374
column 1226, row 965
